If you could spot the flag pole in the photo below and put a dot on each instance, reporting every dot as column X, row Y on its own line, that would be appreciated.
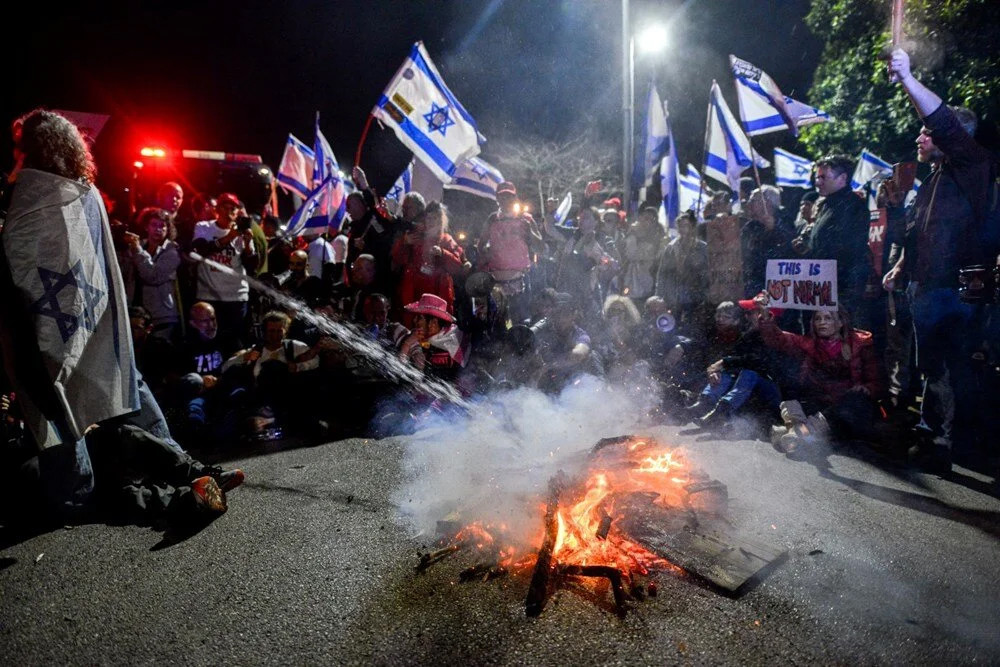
column 699, row 206
column 364, row 135
column 753, row 159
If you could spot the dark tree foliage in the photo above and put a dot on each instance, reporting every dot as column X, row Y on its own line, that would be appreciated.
column 955, row 51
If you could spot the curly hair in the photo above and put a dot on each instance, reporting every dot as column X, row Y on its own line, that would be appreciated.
column 51, row 142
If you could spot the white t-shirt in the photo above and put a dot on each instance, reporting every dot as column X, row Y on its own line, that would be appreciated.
column 320, row 253
column 298, row 349
column 216, row 285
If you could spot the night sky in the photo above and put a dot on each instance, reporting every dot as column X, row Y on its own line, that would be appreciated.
column 239, row 76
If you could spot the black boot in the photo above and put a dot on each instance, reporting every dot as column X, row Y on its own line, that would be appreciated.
column 716, row 417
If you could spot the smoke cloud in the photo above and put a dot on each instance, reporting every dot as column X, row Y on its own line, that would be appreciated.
column 493, row 465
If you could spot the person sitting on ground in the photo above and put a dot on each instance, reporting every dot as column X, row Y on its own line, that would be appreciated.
column 204, row 405
column 741, row 368
column 276, row 372
column 839, row 379
column 298, row 271
column 435, row 345
column 153, row 354
column 564, row 348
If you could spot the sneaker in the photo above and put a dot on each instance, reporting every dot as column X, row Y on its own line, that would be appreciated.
column 226, row 479
column 208, row 496
column 715, row 417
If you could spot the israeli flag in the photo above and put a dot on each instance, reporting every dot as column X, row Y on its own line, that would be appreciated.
column 319, row 210
column 402, row 186
column 656, row 139
column 427, row 117
column 689, row 187
column 326, row 167
column 295, row 174
column 562, row 211
column 763, row 108
column 869, row 166
column 790, row 170
column 478, row 177
column 727, row 150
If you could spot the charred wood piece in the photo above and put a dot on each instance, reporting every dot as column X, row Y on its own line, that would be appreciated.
column 612, row 574
column 482, row 571
column 428, row 559
column 538, row 589
column 604, row 527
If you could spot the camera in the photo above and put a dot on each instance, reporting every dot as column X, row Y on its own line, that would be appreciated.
column 243, row 223
column 979, row 283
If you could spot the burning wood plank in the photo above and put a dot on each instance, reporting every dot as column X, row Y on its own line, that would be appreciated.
column 538, row 590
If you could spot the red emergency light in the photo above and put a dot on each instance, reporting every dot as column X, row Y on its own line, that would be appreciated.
column 152, row 151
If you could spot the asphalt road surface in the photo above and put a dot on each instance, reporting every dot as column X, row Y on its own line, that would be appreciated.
column 310, row 566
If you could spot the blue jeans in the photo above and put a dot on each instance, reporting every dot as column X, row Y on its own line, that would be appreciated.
column 940, row 322
column 737, row 391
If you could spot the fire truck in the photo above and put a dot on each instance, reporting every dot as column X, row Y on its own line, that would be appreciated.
column 201, row 172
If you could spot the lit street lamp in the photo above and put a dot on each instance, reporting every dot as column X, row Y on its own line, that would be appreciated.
column 651, row 40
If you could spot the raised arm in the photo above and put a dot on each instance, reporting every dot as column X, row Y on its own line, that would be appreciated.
column 924, row 100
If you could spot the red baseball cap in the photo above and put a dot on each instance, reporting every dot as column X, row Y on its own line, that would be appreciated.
column 506, row 188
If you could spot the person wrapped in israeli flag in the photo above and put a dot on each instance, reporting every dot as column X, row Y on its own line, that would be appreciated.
column 727, row 149
column 763, row 108
column 478, row 177
column 295, row 173
column 58, row 248
column 427, row 117
column 791, row 170
column 869, row 166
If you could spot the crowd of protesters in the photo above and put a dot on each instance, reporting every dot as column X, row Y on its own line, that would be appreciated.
column 905, row 359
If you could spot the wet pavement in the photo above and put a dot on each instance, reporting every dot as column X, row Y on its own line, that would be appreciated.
column 310, row 566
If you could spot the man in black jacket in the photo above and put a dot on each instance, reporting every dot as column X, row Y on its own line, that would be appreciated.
column 943, row 233
column 841, row 230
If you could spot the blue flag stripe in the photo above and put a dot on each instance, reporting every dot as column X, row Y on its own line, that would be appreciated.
column 474, row 185
column 294, row 184
column 422, row 140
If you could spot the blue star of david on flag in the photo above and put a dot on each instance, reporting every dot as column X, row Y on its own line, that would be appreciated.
column 48, row 304
column 801, row 170
column 438, row 119
column 395, row 192
column 479, row 171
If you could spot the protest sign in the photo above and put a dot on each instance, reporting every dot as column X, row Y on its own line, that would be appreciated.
column 802, row 284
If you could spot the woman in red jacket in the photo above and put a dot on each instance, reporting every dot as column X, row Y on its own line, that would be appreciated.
column 428, row 258
column 839, row 379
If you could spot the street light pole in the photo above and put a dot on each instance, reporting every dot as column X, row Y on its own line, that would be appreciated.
column 628, row 85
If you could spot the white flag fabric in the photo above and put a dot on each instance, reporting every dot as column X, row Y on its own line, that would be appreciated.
column 427, row 117
column 295, row 174
column 761, row 113
column 656, row 139
column 476, row 176
column 689, row 185
column 869, row 166
column 727, row 150
column 320, row 209
column 562, row 211
column 749, row 77
column 328, row 177
column 402, row 186
column 791, row 170
column 65, row 275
